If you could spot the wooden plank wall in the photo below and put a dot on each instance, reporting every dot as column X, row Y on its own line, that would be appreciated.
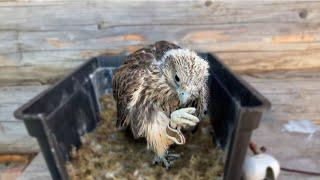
column 42, row 40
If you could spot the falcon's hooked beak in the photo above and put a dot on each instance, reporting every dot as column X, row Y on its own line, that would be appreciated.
column 183, row 96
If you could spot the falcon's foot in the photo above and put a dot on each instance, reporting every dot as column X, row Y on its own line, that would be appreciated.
column 173, row 156
column 162, row 160
column 183, row 117
column 167, row 159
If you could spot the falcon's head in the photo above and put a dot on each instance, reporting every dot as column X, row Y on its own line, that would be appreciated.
column 185, row 72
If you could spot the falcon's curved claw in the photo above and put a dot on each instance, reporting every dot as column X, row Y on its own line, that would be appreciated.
column 173, row 156
column 183, row 116
column 162, row 160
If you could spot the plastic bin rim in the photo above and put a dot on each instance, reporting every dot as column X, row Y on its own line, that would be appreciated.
column 265, row 103
column 19, row 112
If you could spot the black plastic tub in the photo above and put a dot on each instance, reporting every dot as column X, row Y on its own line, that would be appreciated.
column 60, row 115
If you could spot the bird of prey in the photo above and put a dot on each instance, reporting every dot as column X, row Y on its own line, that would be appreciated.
column 160, row 90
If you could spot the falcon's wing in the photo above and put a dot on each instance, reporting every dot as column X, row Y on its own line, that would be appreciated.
column 127, row 80
column 130, row 76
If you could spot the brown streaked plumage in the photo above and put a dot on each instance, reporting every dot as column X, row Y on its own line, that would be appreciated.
column 152, row 83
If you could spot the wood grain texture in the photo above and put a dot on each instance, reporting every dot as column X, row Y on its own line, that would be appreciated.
column 31, row 75
column 13, row 135
column 37, row 169
column 247, row 35
column 12, row 172
column 294, row 96
column 16, row 158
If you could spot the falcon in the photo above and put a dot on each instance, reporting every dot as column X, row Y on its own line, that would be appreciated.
column 161, row 90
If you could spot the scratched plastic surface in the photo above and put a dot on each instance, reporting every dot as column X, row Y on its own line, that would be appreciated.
column 101, row 80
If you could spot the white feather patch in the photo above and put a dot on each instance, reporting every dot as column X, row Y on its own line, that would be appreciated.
column 135, row 96
column 200, row 62
column 178, row 52
column 156, row 133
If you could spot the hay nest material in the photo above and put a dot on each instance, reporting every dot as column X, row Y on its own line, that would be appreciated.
column 109, row 153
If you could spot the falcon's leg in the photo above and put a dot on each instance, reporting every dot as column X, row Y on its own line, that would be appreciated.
column 173, row 156
column 162, row 159
column 167, row 159
column 160, row 135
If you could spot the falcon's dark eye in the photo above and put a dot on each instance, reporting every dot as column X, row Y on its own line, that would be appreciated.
column 176, row 78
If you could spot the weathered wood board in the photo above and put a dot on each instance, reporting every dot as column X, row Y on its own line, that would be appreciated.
column 41, row 39
column 294, row 96
column 13, row 134
column 36, row 170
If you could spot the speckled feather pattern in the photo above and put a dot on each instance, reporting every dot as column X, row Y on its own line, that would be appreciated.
column 144, row 91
